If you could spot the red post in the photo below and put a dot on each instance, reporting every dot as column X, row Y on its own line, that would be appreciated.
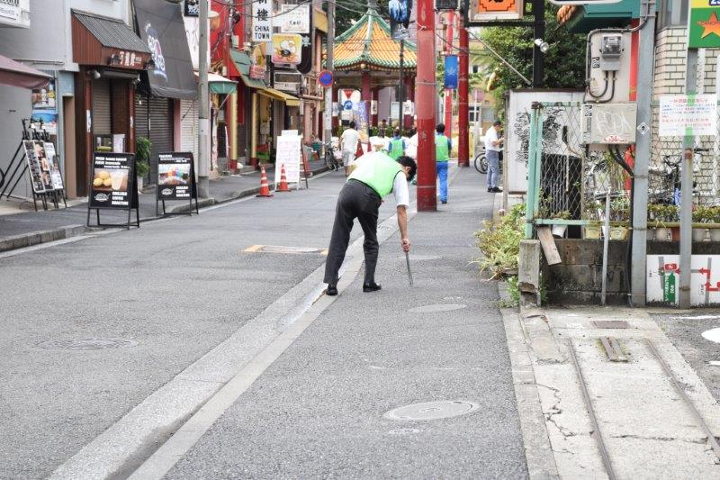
column 448, row 92
column 463, row 128
column 366, row 96
column 425, row 107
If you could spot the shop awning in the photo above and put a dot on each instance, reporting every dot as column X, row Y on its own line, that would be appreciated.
column 289, row 100
column 219, row 84
column 242, row 63
column 162, row 28
column 19, row 75
column 103, row 41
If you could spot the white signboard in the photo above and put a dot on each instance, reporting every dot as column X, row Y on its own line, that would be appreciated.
column 682, row 115
column 261, row 21
column 663, row 279
column 15, row 13
column 288, row 154
column 294, row 19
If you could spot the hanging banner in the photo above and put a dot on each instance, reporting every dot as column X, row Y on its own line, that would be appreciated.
column 491, row 10
column 704, row 25
column 400, row 13
column 294, row 18
column 261, row 21
column 286, row 49
column 451, row 72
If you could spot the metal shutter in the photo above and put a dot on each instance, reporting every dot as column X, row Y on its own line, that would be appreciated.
column 141, row 116
column 101, row 105
column 161, row 130
column 189, row 123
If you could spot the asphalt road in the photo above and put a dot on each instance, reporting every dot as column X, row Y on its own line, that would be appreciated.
column 685, row 329
column 169, row 294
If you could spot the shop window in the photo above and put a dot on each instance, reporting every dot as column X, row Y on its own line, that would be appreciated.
column 672, row 13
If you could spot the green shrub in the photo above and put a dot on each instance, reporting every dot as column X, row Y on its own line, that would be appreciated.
column 499, row 243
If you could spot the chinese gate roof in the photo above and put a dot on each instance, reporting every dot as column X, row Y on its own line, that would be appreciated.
column 369, row 42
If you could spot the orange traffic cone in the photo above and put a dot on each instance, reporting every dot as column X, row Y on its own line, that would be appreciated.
column 283, row 186
column 264, row 189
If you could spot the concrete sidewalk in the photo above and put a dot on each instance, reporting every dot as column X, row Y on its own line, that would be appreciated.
column 639, row 417
column 30, row 228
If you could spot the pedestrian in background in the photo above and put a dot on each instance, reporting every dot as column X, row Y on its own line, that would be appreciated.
column 443, row 147
column 396, row 146
column 493, row 147
column 348, row 145
column 372, row 177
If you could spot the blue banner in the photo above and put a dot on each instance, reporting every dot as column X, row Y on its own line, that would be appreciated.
column 451, row 72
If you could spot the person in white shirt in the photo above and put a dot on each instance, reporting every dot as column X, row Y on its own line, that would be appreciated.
column 372, row 177
column 493, row 147
column 348, row 145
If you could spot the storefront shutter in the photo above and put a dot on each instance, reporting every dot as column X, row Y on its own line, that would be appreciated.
column 161, row 130
column 102, row 124
column 189, row 122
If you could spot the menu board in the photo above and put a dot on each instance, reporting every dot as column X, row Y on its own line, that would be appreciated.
column 35, row 168
column 289, row 154
column 112, row 181
column 54, row 166
column 175, row 176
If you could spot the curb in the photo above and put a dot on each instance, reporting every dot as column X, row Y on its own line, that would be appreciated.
column 24, row 240
column 34, row 238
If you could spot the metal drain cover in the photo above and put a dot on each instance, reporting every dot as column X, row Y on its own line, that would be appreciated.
column 88, row 344
column 441, row 307
column 611, row 324
column 432, row 410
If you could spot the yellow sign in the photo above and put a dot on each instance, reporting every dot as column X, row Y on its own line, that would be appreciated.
column 287, row 49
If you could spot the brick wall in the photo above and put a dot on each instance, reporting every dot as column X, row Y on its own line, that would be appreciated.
column 670, row 58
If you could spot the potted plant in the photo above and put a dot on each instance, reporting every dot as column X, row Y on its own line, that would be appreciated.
column 593, row 230
column 559, row 230
column 700, row 215
column 143, row 147
column 619, row 212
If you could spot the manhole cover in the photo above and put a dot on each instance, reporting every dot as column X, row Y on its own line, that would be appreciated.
column 88, row 344
column 442, row 307
column 432, row 410
column 611, row 324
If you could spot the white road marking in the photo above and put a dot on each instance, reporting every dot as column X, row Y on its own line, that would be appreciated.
column 713, row 335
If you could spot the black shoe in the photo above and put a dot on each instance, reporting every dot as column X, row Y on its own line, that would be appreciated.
column 497, row 190
column 371, row 287
column 331, row 290
column 490, row 190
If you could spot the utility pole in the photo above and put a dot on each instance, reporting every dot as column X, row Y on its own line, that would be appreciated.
column 426, row 93
column 449, row 34
column 401, row 87
column 463, row 128
column 538, row 56
column 646, row 59
column 329, row 67
column 203, row 105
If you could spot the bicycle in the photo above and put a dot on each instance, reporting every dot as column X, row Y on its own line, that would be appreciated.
column 480, row 162
column 668, row 192
column 330, row 159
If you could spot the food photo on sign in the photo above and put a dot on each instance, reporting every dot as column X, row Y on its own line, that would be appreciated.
column 287, row 49
column 173, row 174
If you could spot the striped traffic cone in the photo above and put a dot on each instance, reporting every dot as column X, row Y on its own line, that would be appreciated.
column 283, row 186
column 264, row 189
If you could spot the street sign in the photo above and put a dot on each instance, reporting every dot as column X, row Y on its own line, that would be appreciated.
column 325, row 78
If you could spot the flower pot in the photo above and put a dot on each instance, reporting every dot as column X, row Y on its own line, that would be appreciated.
column 618, row 233
column 698, row 234
column 663, row 235
column 592, row 232
column 559, row 230
column 715, row 234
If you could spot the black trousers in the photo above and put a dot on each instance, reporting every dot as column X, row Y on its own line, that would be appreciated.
column 356, row 200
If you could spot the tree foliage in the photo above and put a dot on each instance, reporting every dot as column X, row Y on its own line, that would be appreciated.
column 564, row 62
column 349, row 11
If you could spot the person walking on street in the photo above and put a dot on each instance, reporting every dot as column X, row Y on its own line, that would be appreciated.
column 372, row 177
column 348, row 145
column 493, row 147
column 443, row 147
column 396, row 146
